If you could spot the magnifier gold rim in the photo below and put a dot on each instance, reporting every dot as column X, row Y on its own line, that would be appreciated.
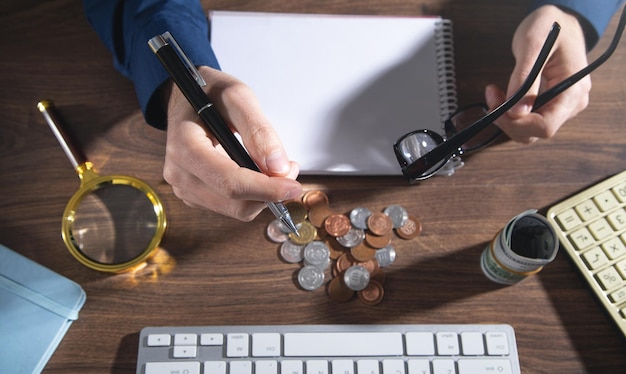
column 93, row 183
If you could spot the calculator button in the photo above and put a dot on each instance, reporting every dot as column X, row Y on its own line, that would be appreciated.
column 606, row 201
column 581, row 238
column 595, row 258
column 620, row 192
column 609, row 278
column 600, row 229
column 619, row 295
column 617, row 219
column 614, row 248
column 569, row 219
column 587, row 210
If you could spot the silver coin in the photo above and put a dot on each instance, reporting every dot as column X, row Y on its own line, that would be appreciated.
column 310, row 277
column 398, row 215
column 358, row 217
column 353, row 238
column 276, row 231
column 356, row 277
column 316, row 253
column 385, row 256
column 291, row 252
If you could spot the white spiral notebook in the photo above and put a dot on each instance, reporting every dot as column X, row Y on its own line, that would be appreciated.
column 340, row 90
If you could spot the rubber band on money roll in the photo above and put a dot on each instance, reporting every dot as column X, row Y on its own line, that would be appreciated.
column 504, row 262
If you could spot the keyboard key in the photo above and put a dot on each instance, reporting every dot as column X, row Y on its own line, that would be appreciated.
column 211, row 339
column 159, row 340
column 343, row 344
column 447, row 343
column 237, row 345
column 185, row 339
column 497, row 344
column 367, row 367
column 291, row 367
column 185, row 351
column 263, row 367
column 214, row 367
column 317, row 366
column 472, row 343
column 343, row 367
column 418, row 366
column 266, row 345
column 240, row 367
column 394, row 366
column 484, row 366
column 173, row 367
column 441, row 366
column 420, row 343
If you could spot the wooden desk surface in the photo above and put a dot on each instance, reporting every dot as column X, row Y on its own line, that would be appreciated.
column 222, row 271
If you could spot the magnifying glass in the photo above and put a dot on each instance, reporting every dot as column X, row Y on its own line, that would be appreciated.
column 112, row 223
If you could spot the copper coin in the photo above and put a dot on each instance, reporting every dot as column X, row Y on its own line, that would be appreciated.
column 318, row 214
column 313, row 198
column 297, row 211
column 338, row 291
column 335, row 248
column 411, row 229
column 344, row 261
column 372, row 294
column 378, row 241
column 363, row 252
column 379, row 223
column 371, row 265
column 337, row 224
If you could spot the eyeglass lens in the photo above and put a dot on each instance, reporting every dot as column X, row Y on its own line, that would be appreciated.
column 463, row 119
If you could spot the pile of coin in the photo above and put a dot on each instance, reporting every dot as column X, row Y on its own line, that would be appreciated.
column 354, row 247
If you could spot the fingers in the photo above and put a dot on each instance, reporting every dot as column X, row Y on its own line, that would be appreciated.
column 201, row 173
column 521, row 123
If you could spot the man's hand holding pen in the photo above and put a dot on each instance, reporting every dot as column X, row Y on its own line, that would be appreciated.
column 203, row 175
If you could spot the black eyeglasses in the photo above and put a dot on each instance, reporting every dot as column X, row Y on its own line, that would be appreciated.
column 424, row 153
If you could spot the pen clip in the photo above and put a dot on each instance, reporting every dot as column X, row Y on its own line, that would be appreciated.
column 168, row 38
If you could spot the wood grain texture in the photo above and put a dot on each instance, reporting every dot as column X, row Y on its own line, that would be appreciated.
column 216, row 270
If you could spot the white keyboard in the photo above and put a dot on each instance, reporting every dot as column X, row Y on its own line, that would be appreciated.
column 329, row 349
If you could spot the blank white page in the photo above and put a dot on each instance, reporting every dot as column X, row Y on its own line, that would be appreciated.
column 340, row 90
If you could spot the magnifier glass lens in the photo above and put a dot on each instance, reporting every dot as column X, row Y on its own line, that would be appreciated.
column 416, row 145
column 114, row 224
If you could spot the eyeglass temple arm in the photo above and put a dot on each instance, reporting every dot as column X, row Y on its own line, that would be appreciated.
column 449, row 147
column 569, row 81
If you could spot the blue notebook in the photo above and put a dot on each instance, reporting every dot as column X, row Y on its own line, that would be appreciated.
column 37, row 307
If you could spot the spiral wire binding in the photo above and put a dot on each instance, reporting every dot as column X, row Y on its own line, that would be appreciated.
column 446, row 77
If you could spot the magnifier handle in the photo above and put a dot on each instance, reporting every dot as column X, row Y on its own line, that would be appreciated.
column 76, row 157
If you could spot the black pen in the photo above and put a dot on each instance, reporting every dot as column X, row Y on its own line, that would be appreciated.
column 190, row 82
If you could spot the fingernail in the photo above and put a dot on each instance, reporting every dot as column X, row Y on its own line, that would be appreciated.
column 520, row 109
column 293, row 194
column 277, row 163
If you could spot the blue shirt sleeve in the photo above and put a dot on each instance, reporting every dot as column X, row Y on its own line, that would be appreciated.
column 125, row 26
column 594, row 15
